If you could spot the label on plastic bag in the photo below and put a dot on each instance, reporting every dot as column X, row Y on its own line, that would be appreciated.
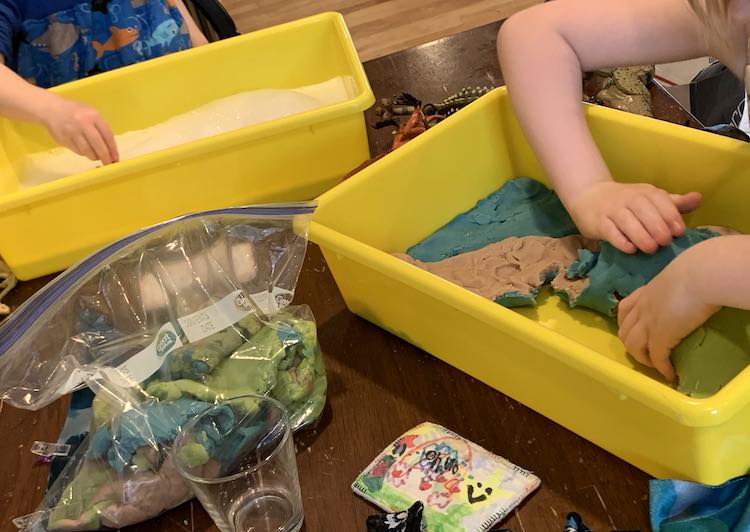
column 272, row 302
column 231, row 309
column 196, row 326
column 141, row 366
column 137, row 368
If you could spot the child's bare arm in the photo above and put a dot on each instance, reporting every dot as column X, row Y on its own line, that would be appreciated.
column 196, row 35
column 706, row 277
column 543, row 51
column 73, row 125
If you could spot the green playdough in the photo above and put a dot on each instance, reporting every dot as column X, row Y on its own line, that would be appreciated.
column 282, row 358
column 713, row 354
column 76, row 509
column 193, row 454
column 197, row 359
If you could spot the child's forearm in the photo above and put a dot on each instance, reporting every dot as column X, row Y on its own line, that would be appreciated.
column 718, row 271
column 544, row 50
column 20, row 99
column 71, row 124
column 543, row 76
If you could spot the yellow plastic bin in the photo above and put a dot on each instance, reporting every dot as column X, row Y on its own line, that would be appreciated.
column 566, row 364
column 46, row 228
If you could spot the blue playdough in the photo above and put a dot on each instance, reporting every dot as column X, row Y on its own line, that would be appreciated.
column 522, row 207
column 148, row 425
column 524, row 299
column 614, row 275
column 586, row 261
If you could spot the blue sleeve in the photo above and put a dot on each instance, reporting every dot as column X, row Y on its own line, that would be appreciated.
column 10, row 20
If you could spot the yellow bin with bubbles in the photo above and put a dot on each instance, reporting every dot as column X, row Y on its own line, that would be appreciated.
column 566, row 364
column 48, row 227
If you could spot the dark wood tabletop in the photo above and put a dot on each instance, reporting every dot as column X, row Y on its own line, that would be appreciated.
column 380, row 386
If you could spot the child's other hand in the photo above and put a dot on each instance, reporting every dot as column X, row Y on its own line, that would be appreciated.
column 656, row 317
column 631, row 217
column 80, row 128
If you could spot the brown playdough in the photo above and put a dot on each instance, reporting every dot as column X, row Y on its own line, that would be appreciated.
column 128, row 500
column 513, row 265
column 146, row 495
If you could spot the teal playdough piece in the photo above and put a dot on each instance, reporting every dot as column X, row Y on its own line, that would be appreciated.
column 614, row 275
column 586, row 261
column 521, row 207
column 713, row 354
column 517, row 299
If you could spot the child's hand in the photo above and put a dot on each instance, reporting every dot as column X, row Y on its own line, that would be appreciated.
column 631, row 217
column 80, row 128
column 656, row 317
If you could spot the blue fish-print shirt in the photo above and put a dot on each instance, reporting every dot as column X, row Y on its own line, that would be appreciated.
column 49, row 42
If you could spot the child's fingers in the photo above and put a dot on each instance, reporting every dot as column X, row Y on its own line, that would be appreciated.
column 83, row 148
column 97, row 144
column 626, row 313
column 632, row 227
column 687, row 202
column 612, row 234
column 636, row 342
column 109, row 138
column 652, row 220
column 669, row 212
column 659, row 354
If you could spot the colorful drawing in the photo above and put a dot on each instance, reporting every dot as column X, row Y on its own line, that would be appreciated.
column 462, row 486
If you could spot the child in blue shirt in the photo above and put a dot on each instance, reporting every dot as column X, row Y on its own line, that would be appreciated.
column 44, row 43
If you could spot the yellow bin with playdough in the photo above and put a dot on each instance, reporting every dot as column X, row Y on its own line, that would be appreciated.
column 566, row 364
column 47, row 227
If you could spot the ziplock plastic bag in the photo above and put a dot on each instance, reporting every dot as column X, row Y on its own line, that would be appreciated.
column 160, row 325
column 134, row 301
column 123, row 474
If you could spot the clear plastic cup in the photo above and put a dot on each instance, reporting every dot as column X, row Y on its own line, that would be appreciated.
column 238, row 457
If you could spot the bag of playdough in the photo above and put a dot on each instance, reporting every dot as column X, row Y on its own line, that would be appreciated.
column 462, row 486
column 159, row 326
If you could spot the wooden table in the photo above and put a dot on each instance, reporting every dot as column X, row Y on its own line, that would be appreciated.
column 380, row 386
